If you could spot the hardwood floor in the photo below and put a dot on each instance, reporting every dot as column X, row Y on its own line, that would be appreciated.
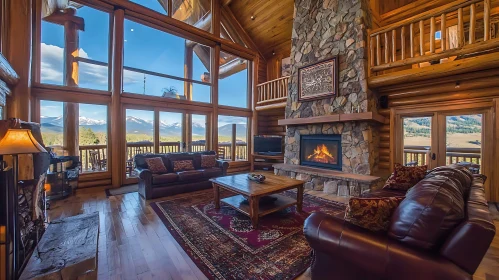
column 135, row 244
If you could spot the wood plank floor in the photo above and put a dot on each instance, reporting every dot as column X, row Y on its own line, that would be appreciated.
column 135, row 244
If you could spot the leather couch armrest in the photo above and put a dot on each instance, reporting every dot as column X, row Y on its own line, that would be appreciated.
column 375, row 253
column 224, row 165
column 145, row 182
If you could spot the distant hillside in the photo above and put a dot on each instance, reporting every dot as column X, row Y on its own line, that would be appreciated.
column 455, row 124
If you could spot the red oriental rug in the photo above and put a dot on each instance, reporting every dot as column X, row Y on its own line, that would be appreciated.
column 223, row 244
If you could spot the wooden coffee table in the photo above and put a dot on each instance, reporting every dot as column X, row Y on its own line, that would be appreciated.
column 249, row 193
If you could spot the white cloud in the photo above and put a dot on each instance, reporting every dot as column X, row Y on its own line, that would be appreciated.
column 52, row 66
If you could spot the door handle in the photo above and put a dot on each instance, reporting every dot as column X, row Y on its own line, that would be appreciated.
column 433, row 156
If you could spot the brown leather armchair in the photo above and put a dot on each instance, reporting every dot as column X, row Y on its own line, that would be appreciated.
column 441, row 230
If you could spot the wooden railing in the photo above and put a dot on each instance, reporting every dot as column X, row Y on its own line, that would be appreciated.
column 241, row 150
column 452, row 20
column 273, row 91
column 93, row 158
column 420, row 155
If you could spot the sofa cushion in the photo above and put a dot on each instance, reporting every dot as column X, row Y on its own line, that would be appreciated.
column 383, row 193
column 404, row 177
column 181, row 165
column 208, row 161
column 430, row 211
column 212, row 172
column 371, row 213
column 156, row 165
column 140, row 160
column 164, row 178
column 460, row 174
column 190, row 175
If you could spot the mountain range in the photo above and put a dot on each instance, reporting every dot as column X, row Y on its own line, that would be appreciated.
column 136, row 125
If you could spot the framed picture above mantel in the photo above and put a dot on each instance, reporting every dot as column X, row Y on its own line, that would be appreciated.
column 318, row 80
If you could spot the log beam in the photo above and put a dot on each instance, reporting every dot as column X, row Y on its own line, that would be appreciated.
column 232, row 67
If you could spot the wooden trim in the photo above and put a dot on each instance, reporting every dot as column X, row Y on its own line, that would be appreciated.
column 270, row 106
column 215, row 67
column 366, row 116
column 486, row 61
column 117, row 147
column 494, row 192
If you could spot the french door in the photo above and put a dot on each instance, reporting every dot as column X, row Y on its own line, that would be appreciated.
column 444, row 137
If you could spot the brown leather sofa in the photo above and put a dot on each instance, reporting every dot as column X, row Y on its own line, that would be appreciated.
column 441, row 230
column 171, row 183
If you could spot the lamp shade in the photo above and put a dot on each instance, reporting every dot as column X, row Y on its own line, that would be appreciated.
column 20, row 141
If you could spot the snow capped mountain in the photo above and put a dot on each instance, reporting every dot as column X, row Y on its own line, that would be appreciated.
column 135, row 125
column 87, row 121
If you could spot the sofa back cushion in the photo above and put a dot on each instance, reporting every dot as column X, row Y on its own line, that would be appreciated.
column 431, row 209
column 182, row 165
column 140, row 160
column 156, row 165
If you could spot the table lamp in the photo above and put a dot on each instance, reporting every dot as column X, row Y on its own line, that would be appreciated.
column 16, row 142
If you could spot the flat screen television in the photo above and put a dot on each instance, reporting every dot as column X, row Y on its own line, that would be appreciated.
column 268, row 144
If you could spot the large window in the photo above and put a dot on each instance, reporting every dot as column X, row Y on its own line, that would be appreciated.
column 233, row 81
column 139, row 136
column 193, row 12
column 171, row 130
column 160, row 64
column 90, row 56
column 228, row 127
column 160, row 6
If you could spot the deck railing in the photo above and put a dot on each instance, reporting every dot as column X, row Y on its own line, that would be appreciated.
column 416, row 37
column 420, row 155
column 273, row 91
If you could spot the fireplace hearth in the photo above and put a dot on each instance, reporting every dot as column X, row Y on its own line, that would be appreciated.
column 321, row 150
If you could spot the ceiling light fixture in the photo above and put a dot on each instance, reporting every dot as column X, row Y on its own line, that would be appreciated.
column 252, row 17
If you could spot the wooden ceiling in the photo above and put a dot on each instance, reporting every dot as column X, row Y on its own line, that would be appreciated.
column 271, row 28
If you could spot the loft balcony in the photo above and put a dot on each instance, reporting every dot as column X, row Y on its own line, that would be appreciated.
column 452, row 39
column 272, row 94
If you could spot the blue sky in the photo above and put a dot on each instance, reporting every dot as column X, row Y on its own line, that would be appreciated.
column 145, row 48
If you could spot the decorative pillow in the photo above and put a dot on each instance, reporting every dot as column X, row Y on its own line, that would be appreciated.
column 208, row 161
column 372, row 213
column 404, row 177
column 156, row 165
column 180, row 165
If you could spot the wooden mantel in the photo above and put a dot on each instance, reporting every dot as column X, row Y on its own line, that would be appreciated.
column 366, row 116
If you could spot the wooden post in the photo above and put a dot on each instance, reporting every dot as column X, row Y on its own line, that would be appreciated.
column 421, row 37
column 486, row 20
column 411, row 38
column 215, row 66
column 371, row 52
column 71, row 110
column 432, row 35
column 394, row 45
column 117, row 136
column 156, row 131
column 460, row 28
column 472, row 23
column 402, row 42
column 215, row 19
column 378, row 50
column 233, row 143
column 387, row 49
column 443, row 32
column 18, row 53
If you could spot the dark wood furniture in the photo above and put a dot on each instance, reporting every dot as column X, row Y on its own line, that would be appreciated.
column 265, row 162
column 249, row 193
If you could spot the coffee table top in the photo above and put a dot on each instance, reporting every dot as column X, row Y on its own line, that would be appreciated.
column 241, row 184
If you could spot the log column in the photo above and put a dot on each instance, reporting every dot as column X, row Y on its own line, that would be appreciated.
column 71, row 110
column 18, row 53
column 117, row 136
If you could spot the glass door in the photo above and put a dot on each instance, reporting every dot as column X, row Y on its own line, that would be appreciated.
column 139, row 137
column 416, row 148
column 171, row 132
column 462, row 139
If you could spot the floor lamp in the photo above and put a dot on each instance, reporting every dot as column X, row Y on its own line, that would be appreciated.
column 16, row 142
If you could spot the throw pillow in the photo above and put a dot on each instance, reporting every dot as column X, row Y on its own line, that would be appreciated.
column 208, row 161
column 372, row 213
column 156, row 165
column 181, row 165
column 404, row 177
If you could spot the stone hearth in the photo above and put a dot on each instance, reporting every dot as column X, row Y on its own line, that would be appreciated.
column 321, row 30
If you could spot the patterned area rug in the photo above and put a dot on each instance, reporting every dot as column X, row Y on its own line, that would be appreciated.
column 224, row 245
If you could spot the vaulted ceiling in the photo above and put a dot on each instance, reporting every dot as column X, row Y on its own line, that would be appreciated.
column 270, row 28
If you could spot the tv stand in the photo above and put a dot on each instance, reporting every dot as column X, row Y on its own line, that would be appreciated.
column 265, row 161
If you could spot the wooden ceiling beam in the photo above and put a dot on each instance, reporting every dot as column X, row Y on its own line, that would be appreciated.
column 232, row 67
column 225, row 2
column 231, row 19
column 59, row 17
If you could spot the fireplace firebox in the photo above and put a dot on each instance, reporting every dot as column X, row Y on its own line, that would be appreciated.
column 321, row 150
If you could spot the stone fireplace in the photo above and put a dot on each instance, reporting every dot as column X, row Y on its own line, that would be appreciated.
column 321, row 30
column 321, row 150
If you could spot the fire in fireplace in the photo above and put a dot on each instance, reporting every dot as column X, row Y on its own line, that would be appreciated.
column 321, row 150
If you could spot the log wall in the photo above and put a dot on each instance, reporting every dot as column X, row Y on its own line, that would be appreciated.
column 454, row 90
column 267, row 122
